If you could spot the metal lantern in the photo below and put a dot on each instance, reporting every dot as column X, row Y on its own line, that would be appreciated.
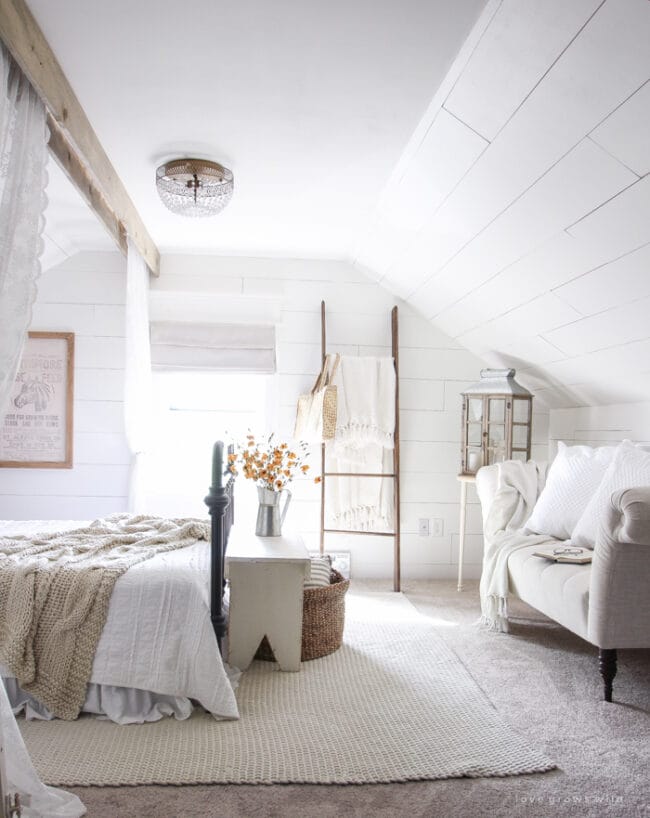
column 497, row 420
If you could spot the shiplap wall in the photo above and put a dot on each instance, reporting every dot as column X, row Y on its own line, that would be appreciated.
column 85, row 295
column 433, row 368
column 600, row 425
column 517, row 217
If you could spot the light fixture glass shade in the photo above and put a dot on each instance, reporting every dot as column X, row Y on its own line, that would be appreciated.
column 194, row 187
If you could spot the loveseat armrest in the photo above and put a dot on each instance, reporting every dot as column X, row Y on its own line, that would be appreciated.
column 487, row 483
column 619, row 593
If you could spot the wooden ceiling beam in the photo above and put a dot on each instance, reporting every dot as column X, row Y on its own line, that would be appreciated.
column 74, row 142
column 83, row 180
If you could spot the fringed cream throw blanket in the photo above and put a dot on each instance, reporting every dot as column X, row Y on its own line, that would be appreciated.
column 365, row 421
column 516, row 495
column 54, row 595
column 364, row 442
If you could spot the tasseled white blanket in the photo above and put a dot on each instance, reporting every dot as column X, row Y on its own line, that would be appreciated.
column 361, row 503
column 516, row 495
column 364, row 442
column 365, row 422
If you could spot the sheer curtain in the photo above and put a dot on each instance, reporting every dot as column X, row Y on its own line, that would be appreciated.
column 137, row 375
column 45, row 802
column 23, row 176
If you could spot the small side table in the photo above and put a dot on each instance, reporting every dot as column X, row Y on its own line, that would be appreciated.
column 463, row 479
column 266, row 596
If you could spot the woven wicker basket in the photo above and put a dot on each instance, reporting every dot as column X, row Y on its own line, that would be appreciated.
column 323, row 618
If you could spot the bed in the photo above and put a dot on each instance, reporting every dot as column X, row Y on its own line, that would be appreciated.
column 160, row 647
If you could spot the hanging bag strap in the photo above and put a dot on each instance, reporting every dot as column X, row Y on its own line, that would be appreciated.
column 321, row 379
column 331, row 373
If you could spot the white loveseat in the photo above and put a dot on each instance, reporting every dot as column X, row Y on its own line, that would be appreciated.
column 606, row 602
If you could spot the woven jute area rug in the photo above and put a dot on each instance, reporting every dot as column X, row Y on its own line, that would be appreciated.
column 393, row 704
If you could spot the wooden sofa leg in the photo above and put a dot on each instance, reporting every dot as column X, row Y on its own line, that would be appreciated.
column 607, row 663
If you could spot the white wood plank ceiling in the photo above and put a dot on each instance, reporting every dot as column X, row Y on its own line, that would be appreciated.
column 309, row 103
column 518, row 219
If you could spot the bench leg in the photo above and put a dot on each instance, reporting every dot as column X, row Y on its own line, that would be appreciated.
column 266, row 600
column 607, row 663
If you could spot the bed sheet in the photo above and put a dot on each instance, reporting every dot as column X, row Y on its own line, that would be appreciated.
column 158, row 635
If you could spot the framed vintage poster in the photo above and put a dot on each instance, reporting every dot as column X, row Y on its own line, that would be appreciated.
column 36, row 431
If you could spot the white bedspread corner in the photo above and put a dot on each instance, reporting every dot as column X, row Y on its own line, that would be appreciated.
column 158, row 635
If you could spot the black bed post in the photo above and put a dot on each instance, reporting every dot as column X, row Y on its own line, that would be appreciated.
column 607, row 663
column 218, row 501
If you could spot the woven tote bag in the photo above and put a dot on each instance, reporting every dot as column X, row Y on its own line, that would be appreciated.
column 316, row 411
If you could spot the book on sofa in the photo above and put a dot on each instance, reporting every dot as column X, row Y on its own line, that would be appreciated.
column 565, row 554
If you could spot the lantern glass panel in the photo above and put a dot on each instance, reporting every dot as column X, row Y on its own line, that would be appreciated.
column 496, row 434
column 474, row 460
column 497, row 410
column 475, row 409
column 520, row 437
column 474, row 431
column 496, row 454
column 520, row 410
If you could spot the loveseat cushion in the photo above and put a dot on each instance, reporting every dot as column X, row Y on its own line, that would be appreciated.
column 572, row 479
column 558, row 590
column 630, row 467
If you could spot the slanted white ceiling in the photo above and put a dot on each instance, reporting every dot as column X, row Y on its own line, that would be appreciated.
column 515, row 215
column 518, row 220
column 70, row 225
column 309, row 103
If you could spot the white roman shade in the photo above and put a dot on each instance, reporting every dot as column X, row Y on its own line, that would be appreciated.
column 223, row 347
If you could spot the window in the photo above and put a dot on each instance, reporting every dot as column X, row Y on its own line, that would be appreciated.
column 193, row 409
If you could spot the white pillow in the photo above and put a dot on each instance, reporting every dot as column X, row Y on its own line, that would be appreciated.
column 629, row 468
column 572, row 479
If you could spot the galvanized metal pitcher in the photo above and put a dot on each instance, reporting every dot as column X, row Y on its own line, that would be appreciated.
column 269, row 518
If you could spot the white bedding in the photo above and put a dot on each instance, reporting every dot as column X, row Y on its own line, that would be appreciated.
column 158, row 635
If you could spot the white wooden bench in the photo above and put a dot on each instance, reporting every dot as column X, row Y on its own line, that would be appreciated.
column 266, row 595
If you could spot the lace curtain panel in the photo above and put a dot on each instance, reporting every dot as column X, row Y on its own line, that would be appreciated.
column 23, row 177
column 137, row 374
column 45, row 802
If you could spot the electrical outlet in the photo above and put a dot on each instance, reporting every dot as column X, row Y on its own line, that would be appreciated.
column 423, row 527
column 341, row 560
column 438, row 527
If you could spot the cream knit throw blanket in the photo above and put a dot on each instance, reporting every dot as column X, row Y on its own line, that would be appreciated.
column 54, row 595
column 513, row 503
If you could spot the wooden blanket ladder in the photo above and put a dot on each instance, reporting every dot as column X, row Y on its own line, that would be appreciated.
column 393, row 475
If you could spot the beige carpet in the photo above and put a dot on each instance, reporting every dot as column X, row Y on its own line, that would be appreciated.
column 393, row 704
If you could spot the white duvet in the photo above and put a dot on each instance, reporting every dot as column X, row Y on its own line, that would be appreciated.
column 158, row 635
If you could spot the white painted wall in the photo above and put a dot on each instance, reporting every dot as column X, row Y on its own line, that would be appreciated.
column 600, row 425
column 434, row 369
column 84, row 295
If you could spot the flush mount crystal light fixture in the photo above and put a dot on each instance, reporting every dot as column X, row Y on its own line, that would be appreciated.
column 194, row 187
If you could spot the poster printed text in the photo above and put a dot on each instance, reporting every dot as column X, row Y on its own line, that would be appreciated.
column 34, row 427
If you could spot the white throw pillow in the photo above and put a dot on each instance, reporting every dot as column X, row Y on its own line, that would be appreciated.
column 629, row 468
column 573, row 477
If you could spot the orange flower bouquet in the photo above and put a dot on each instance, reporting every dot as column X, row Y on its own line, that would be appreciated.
column 271, row 465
